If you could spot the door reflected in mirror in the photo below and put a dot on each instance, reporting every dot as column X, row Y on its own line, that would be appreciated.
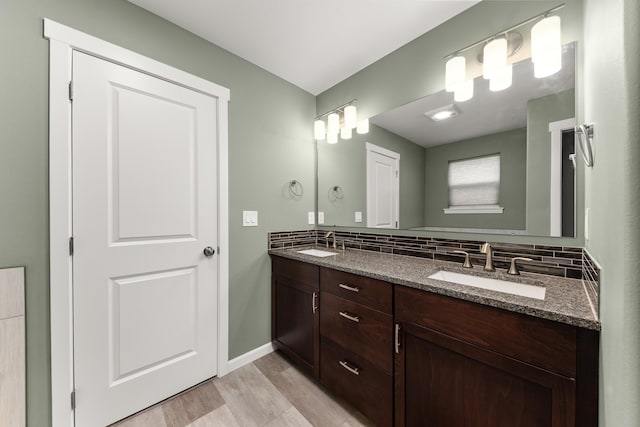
column 529, row 126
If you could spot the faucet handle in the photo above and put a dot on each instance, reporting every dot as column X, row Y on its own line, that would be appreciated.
column 513, row 269
column 467, row 260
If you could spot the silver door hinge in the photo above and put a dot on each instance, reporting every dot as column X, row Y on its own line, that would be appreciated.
column 71, row 91
column 397, row 173
column 71, row 245
column 73, row 400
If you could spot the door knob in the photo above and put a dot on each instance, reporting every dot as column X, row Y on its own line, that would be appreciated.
column 209, row 251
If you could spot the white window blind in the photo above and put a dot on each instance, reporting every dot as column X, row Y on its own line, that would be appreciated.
column 474, row 185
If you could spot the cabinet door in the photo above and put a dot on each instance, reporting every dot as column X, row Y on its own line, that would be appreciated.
column 444, row 382
column 295, row 318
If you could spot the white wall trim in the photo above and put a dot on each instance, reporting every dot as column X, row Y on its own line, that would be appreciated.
column 555, row 202
column 250, row 356
column 63, row 41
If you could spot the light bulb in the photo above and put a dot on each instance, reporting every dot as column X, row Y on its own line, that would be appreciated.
column 319, row 130
column 332, row 138
column 333, row 123
column 350, row 117
column 363, row 127
column 494, row 57
column 455, row 73
column 502, row 79
column 464, row 92
column 546, row 46
column 345, row 133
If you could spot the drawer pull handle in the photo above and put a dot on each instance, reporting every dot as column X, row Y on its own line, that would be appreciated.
column 350, row 316
column 346, row 365
column 397, row 338
column 349, row 287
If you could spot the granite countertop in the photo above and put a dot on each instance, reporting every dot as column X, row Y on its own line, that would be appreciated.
column 566, row 300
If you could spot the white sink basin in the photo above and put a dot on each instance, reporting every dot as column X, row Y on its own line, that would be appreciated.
column 497, row 285
column 317, row 252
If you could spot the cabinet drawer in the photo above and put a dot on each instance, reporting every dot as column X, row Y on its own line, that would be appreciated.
column 299, row 272
column 359, row 329
column 362, row 290
column 544, row 343
column 364, row 386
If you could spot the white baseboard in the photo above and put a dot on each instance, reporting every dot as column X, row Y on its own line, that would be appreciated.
column 249, row 357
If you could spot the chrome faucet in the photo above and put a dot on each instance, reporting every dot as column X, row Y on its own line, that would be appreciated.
column 487, row 249
column 329, row 234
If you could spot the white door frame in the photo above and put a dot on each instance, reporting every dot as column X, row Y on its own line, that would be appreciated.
column 63, row 41
column 555, row 202
column 372, row 148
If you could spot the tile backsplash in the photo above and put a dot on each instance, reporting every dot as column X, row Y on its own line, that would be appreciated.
column 560, row 261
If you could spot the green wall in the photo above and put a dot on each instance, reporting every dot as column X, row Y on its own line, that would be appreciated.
column 611, row 103
column 267, row 147
column 541, row 112
column 344, row 164
column 512, row 147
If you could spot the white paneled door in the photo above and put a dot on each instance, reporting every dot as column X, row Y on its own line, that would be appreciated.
column 383, row 187
column 144, row 210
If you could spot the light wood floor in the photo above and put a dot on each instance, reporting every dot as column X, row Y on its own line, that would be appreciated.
column 268, row 392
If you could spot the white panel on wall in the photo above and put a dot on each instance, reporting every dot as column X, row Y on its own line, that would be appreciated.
column 12, row 348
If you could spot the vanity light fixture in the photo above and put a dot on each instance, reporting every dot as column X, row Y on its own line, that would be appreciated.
column 546, row 55
column 494, row 58
column 363, row 127
column 442, row 113
column 464, row 92
column 345, row 133
column 546, row 47
column 339, row 122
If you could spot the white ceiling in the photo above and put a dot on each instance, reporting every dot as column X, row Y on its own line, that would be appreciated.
column 312, row 44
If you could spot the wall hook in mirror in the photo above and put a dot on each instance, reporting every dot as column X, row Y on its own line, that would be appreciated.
column 295, row 188
column 336, row 193
column 584, row 135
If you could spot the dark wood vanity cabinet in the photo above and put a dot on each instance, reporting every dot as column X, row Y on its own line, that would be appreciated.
column 463, row 364
column 294, row 312
column 356, row 348
column 407, row 357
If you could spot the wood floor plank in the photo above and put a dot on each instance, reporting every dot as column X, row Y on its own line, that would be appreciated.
column 357, row 420
column 192, row 404
column 290, row 418
column 152, row 417
column 221, row 417
column 251, row 397
column 308, row 397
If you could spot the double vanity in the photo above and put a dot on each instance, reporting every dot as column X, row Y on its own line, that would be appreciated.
column 411, row 341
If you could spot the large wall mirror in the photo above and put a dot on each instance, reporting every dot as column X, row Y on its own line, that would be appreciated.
column 502, row 164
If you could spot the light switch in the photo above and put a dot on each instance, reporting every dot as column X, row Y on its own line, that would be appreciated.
column 312, row 218
column 249, row 218
column 320, row 217
column 358, row 216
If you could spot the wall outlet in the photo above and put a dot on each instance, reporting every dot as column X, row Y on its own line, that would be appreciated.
column 249, row 218
column 358, row 217
column 320, row 217
column 311, row 218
